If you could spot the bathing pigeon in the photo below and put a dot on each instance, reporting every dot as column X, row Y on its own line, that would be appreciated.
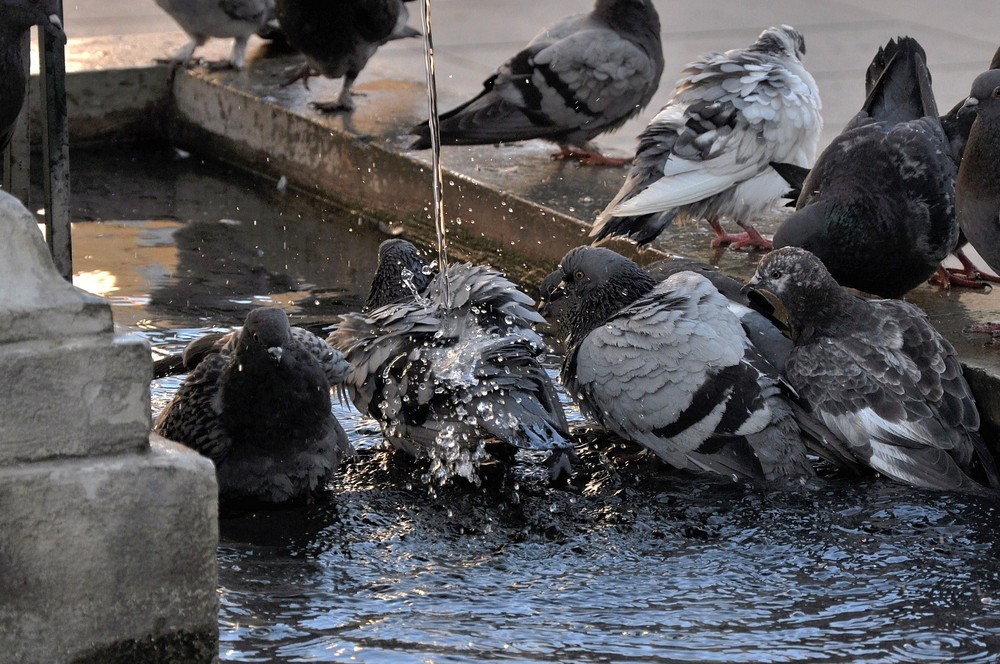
column 338, row 38
column 707, row 153
column 878, row 208
column 402, row 274
column 878, row 375
column 977, row 190
column 576, row 79
column 260, row 410
column 16, row 18
column 201, row 19
column 448, row 369
column 669, row 366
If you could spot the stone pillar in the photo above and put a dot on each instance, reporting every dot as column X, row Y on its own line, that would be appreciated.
column 107, row 537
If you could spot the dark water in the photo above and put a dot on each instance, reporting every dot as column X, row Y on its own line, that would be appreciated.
column 631, row 562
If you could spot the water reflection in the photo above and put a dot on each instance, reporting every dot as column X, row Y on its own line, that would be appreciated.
column 632, row 562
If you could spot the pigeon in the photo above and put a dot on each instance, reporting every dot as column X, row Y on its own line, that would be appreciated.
column 16, row 18
column 768, row 339
column 576, row 79
column 669, row 366
column 451, row 367
column 338, row 38
column 957, row 124
column 878, row 208
column 977, row 190
column 707, row 153
column 259, row 408
column 402, row 274
column 878, row 375
column 201, row 19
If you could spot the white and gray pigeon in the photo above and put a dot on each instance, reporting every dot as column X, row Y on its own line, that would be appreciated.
column 668, row 365
column 224, row 19
column 16, row 18
column 338, row 38
column 707, row 154
column 444, row 375
column 878, row 208
column 259, row 408
column 576, row 79
column 878, row 375
column 977, row 189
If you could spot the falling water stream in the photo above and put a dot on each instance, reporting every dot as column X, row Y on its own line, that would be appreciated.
column 434, row 127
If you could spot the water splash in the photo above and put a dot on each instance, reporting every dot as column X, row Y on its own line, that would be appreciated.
column 434, row 127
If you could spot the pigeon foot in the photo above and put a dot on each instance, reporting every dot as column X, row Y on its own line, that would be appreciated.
column 589, row 157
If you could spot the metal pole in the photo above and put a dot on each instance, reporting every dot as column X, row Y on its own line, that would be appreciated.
column 16, row 162
column 55, row 145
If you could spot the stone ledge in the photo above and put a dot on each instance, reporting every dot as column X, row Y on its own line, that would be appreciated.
column 108, row 550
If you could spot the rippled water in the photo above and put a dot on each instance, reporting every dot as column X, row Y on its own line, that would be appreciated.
column 631, row 562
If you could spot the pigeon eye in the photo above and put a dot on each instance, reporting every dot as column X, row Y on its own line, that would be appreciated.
column 579, row 275
column 776, row 274
column 996, row 92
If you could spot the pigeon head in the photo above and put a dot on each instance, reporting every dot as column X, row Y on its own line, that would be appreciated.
column 985, row 95
column 629, row 16
column 798, row 287
column 591, row 284
column 782, row 40
column 402, row 273
column 16, row 16
column 266, row 330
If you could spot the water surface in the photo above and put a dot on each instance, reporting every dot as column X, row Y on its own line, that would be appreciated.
column 630, row 563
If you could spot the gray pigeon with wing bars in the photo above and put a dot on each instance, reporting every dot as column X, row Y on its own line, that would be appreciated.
column 576, row 79
column 668, row 365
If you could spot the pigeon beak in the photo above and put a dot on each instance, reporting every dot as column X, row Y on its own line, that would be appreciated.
column 766, row 303
column 275, row 352
column 968, row 107
column 55, row 28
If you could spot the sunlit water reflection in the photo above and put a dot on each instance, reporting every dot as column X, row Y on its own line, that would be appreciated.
column 629, row 563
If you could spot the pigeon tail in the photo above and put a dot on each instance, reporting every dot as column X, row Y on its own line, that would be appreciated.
column 899, row 83
column 641, row 229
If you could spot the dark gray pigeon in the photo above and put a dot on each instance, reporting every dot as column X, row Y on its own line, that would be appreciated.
column 576, row 79
column 878, row 375
column 669, row 366
column 402, row 274
column 260, row 410
column 225, row 19
column 338, row 38
column 878, row 206
column 443, row 376
column 707, row 154
column 977, row 190
column 16, row 18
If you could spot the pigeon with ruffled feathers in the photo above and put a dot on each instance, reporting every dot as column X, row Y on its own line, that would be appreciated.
column 260, row 409
column 16, row 18
column 878, row 375
column 224, row 19
column 878, row 206
column 668, row 365
column 338, row 38
column 707, row 154
column 576, row 79
column 448, row 368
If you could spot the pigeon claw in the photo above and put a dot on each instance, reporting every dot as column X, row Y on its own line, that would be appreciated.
column 589, row 157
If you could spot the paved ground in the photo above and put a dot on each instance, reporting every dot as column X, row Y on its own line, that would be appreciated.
column 474, row 36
